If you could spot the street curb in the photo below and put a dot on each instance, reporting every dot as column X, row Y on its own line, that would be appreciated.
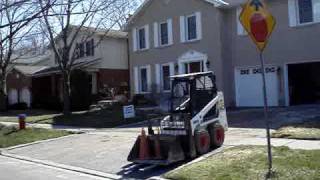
column 64, row 167
column 38, row 142
column 206, row 156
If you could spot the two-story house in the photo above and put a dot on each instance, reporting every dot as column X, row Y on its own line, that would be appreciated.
column 182, row 36
column 101, row 65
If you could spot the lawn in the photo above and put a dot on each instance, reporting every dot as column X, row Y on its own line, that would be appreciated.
column 249, row 162
column 11, row 136
column 96, row 119
column 309, row 130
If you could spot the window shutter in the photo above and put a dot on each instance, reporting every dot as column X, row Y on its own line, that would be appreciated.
column 316, row 12
column 158, row 77
column 156, row 34
column 240, row 28
column 134, row 39
column 170, row 31
column 136, row 80
column 199, row 25
column 182, row 29
column 292, row 8
column 149, row 80
column 147, row 36
column 172, row 69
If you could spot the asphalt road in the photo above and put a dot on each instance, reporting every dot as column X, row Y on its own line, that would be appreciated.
column 12, row 169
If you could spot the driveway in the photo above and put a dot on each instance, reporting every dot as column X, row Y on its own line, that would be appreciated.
column 254, row 118
column 106, row 150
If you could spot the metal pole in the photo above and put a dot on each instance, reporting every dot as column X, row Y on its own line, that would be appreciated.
column 265, row 99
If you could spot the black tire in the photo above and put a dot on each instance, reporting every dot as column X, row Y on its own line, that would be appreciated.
column 217, row 135
column 202, row 142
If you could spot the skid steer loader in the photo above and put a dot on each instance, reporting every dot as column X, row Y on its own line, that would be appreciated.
column 196, row 124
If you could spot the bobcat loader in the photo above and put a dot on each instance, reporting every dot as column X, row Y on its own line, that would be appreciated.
column 195, row 126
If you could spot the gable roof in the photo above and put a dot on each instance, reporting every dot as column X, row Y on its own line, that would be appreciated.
column 146, row 3
column 30, row 70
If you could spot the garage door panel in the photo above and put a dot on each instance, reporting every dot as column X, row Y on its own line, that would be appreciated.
column 249, row 91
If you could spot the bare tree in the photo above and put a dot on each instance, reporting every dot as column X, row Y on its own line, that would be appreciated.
column 72, row 22
column 15, row 25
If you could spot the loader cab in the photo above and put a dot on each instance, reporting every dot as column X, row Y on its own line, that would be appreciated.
column 192, row 92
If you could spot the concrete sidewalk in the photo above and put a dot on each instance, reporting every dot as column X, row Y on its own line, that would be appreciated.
column 50, row 126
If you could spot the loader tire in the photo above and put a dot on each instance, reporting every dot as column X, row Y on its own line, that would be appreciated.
column 202, row 142
column 217, row 135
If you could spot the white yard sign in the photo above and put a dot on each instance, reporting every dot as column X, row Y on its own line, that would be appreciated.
column 129, row 112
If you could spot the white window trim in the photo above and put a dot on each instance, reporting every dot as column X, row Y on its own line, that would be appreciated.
column 184, row 30
column 161, row 76
column 160, row 43
column 146, row 34
column 240, row 29
column 294, row 15
column 148, row 69
column 157, row 33
column 187, row 29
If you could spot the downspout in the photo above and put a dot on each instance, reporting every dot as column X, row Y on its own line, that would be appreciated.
column 129, row 68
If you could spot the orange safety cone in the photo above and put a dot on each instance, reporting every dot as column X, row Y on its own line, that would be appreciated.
column 144, row 146
column 157, row 146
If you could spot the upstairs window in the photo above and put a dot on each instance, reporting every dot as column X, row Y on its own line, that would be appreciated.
column 142, row 38
column 90, row 48
column 190, row 27
column 303, row 12
column 164, row 38
column 163, row 35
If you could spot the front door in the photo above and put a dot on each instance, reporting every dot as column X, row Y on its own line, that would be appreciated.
column 194, row 67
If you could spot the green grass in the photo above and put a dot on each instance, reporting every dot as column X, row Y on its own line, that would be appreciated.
column 11, row 136
column 309, row 130
column 96, row 119
column 249, row 162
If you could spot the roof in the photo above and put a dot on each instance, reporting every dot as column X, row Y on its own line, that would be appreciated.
column 56, row 69
column 30, row 70
column 32, row 59
column 146, row 4
column 191, row 75
column 106, row 32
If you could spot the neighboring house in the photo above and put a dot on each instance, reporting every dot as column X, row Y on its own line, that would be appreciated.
column 99, row 66
column 182, row 36
column 43, row 59
column 19, row 84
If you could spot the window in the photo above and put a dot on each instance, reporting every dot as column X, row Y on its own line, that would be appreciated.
column 191, row 27
column 142, row 38
column 164, row 35
column 240, row 28
column 166, row 77
column 303, row 12
column 90, row 48
column 143, row 80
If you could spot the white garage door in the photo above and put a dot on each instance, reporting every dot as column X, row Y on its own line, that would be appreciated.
column 25, row 96
column 249, row 87
column 13, row 96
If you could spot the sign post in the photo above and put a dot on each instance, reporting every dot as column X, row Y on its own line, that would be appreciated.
column 259, row 23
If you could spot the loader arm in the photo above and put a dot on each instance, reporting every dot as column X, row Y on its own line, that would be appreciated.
column 197, row 120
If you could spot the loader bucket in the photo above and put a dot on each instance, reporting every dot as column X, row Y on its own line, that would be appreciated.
column 170, row 150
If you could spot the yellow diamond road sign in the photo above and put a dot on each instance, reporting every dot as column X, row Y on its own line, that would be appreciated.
column 258, row 22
